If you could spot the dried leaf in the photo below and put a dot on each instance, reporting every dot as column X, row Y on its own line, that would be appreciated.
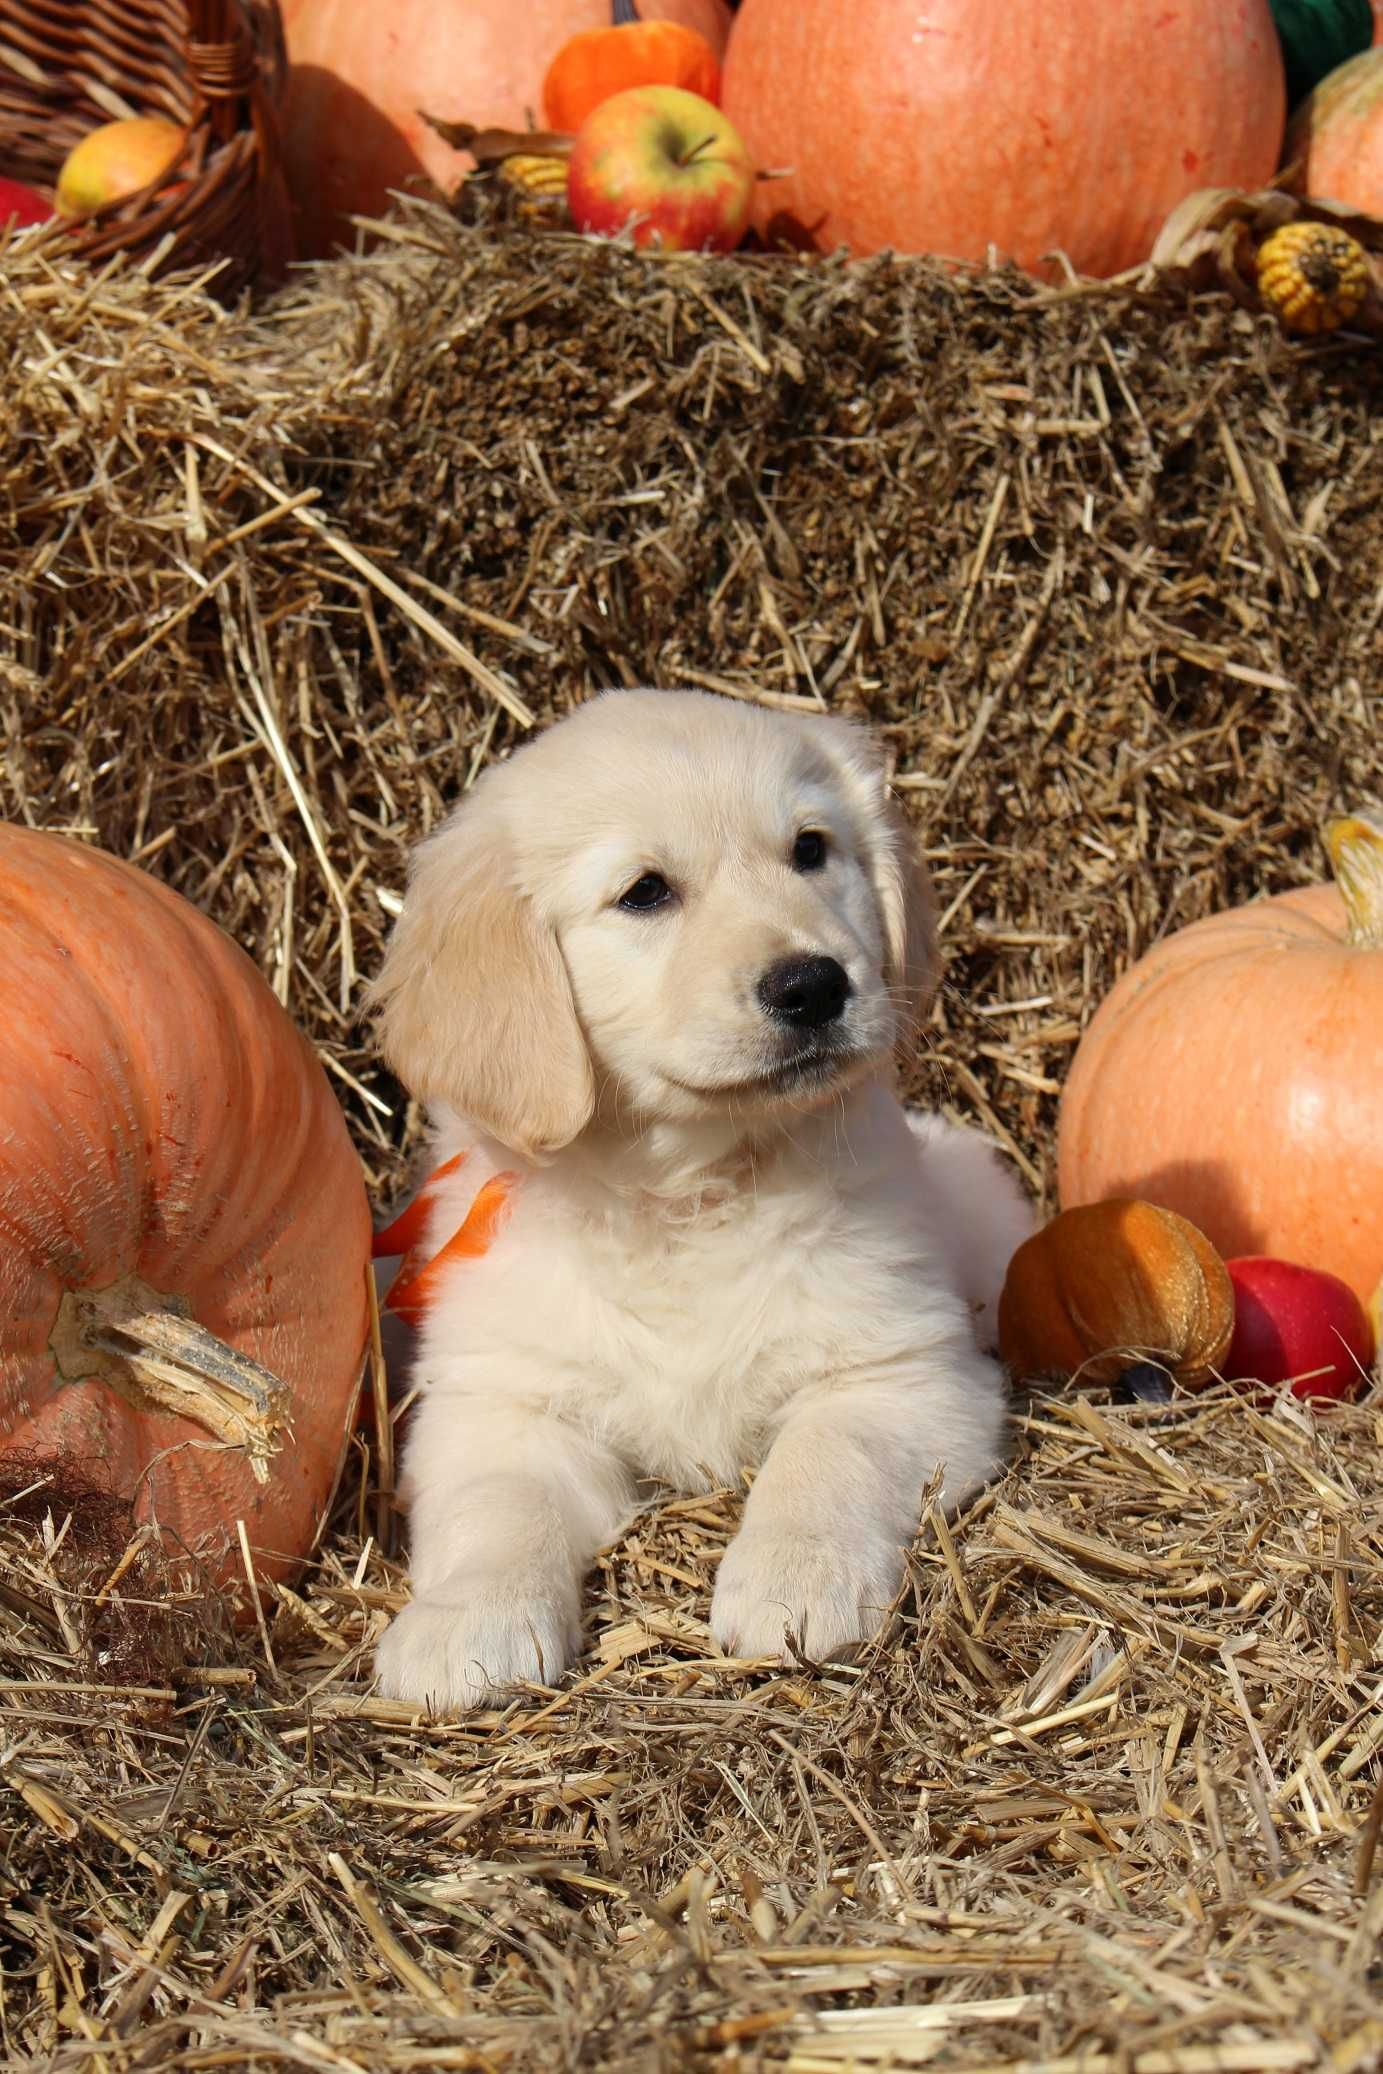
column 491, row 146
column 1195, row 224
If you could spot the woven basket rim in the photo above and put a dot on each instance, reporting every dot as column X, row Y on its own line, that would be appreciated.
column 216, row 67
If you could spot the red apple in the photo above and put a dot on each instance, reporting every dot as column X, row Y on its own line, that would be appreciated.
column 1297, row 1325
column 22, row 206
column 666, row 164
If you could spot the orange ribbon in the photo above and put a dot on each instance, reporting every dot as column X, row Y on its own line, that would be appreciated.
column 415, row 1285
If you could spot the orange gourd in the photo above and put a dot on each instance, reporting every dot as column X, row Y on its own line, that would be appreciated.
column 1337, row 135
column 597, row 63
column 116, row 161
column 1235, row 1075
column 183, row 1309
column 364, row 77
column 967, row 124
column 1111, row 1284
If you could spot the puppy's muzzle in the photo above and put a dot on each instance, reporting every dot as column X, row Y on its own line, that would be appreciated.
column 805, row 993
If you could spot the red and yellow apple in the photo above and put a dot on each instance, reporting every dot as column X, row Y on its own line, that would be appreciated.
column 21, row 207
column 665, row 165
column 117, row 160
column 1297, row 1325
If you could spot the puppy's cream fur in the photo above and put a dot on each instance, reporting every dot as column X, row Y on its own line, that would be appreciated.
column 728, row 1244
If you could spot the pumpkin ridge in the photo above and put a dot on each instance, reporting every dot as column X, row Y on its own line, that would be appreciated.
column 1176, row 957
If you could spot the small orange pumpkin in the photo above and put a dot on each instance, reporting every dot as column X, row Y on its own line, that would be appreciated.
column 1235, row 1075
column 1111, row 1284
column 597, row 63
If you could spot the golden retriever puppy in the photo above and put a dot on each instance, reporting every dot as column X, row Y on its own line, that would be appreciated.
column 651, row 976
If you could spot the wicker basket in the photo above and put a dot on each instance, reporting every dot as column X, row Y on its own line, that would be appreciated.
column 216, row 66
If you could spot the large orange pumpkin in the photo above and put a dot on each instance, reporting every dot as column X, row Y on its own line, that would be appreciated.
column 365, row 73
column 185, row 1231
column 1235, row 1075
column 962, row 124
column 1337, row 134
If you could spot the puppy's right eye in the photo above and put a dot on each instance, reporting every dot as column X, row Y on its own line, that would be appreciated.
column 646, row 893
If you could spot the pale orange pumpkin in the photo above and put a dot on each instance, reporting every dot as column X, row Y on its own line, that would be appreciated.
column 1235, row 1075
column 183, row 1309
column 1337, row 135
column 364, row 76
column 962, row 124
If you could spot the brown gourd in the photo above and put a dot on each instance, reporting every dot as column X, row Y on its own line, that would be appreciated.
column 1110, row 1285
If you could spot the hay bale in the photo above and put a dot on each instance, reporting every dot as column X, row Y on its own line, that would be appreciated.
column 1105, row 571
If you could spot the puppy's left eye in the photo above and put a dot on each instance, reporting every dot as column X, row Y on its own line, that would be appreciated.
column 809, row 850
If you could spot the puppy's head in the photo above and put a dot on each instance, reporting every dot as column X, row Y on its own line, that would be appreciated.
column 672, row 903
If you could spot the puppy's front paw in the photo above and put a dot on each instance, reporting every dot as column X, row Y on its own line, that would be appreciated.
column 833, row 1595
column 471, row 1640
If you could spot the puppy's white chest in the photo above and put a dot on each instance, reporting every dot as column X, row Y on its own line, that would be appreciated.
column 673, row 1342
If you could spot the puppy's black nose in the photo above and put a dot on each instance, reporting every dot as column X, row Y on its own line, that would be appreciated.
column 805, row 991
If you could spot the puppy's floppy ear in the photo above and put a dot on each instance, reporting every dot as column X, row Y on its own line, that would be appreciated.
column 473, row 1002
column 893, row 857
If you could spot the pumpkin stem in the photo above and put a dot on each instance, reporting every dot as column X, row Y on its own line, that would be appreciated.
column 151, row 1352
column 623, row 12
column 1355, row 846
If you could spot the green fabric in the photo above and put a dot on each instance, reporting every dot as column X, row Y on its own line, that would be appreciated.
column 1318, row 35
